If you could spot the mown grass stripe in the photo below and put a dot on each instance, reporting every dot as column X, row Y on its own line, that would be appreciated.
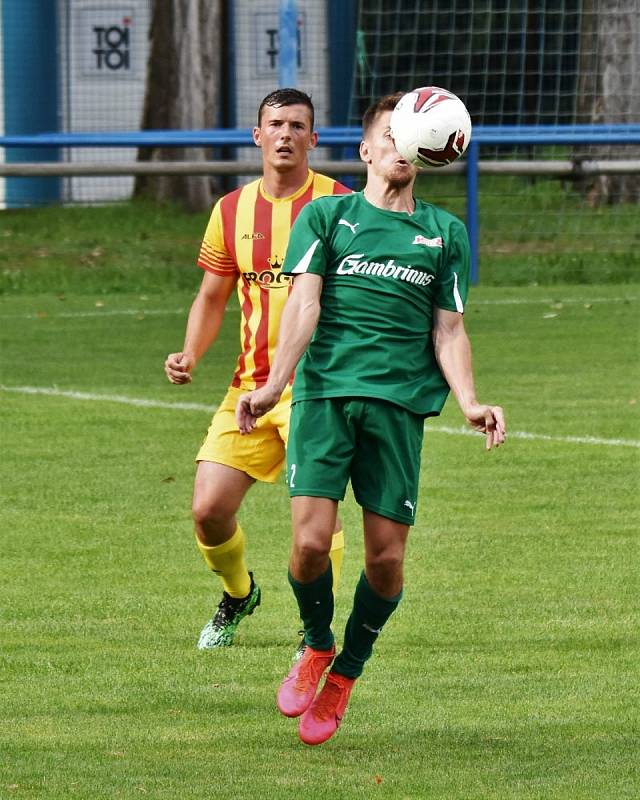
column 496, row 301
column 116, row 312
column 52, row 391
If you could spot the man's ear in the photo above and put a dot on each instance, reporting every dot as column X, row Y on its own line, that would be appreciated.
column 313, row 140
column 257, row 140
column 364, row 152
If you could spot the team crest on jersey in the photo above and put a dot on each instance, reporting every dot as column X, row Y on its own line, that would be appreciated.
column 252, row 236
column 269, row 278
column 437, row 242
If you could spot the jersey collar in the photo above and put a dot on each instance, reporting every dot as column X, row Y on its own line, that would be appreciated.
column 290, row 197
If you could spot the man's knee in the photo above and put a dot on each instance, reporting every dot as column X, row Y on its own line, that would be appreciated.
column 217, row 494
column 385, row 567
column 311, row 546
column 313, row 525
column 211, row 510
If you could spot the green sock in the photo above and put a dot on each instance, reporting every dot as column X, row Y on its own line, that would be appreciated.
column 368, row 616
column 315, row 601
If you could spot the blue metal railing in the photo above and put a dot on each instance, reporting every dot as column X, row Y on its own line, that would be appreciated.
column 485, row 135
column 334, row 136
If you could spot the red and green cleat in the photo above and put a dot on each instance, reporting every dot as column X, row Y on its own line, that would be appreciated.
column 323, row 717
column 298, row 689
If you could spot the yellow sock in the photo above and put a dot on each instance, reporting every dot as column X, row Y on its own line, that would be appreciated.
column 227, row 561
column 336, row 554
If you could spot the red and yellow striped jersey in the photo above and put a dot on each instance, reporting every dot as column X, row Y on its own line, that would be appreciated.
column 247, row 236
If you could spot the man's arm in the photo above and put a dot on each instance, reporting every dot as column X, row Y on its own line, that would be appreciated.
column 298, row 322
column 453, row 352
column 203, row 325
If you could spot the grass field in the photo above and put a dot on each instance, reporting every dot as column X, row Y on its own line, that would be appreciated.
column 532, row 232
column 512, row 667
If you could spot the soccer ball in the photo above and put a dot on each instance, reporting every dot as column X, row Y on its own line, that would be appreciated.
column 430, row 127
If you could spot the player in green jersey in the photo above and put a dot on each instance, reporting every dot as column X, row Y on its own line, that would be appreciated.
column 377, row 307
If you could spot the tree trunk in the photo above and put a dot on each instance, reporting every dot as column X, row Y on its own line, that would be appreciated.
column 183, row 80
column 609, row 89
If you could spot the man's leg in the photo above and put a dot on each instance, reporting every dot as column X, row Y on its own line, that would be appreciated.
column 310, row 576
column 385, row 477
column 378, row 592
column 336, row 553
column 218, row 493
column 377, row 596
column 336, row 556
column 310, row 571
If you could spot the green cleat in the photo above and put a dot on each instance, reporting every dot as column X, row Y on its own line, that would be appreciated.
column 221, row 629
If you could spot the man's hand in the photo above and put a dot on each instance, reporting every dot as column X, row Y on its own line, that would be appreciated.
column 488, row 420
column 253, row 405
column 178, row 367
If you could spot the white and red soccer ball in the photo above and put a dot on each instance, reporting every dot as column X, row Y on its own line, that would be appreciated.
column 431, row 127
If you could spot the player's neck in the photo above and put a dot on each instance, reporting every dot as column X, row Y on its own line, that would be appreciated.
column 284, row 184
column 390, row 197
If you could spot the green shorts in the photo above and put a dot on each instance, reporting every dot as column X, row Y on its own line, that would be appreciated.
column 374, row 443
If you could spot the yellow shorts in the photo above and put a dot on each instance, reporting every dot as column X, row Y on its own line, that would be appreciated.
column 260, row 453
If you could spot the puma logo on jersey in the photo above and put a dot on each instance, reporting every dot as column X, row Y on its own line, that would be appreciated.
column 437, row 242
column 411, row 506
column 349, row 224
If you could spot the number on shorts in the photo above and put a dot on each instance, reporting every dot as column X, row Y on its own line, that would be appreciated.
column 292, row 477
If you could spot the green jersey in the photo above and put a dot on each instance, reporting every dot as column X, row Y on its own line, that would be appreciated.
column 383, row 272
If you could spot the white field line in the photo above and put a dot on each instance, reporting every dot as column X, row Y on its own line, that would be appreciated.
column 542, row 437
column 130, row 312
column 52, row 391
column 522, row 301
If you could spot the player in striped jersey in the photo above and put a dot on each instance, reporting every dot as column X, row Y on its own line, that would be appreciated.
column 243, row 248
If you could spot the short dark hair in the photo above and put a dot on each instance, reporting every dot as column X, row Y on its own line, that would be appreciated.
column 386, row 103
column 287, row 97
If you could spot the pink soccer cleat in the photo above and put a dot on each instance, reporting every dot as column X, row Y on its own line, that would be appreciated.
column 323, row 717
column 299, row 688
